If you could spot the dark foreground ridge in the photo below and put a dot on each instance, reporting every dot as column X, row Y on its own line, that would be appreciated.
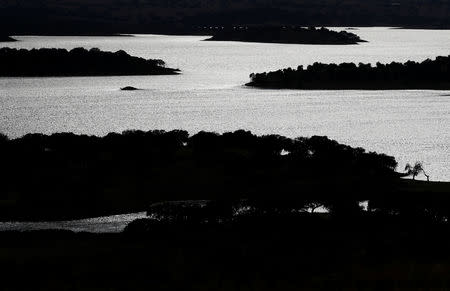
column 77, row 62
column 283, row 34
column 5, row 38
column 315, row 255
column 429, row 74
column 231, row 211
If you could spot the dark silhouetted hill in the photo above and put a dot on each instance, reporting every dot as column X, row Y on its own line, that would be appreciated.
column 319, row 255
column 429, row 74
column 77, row 62
column 297, row 35
column 68, row 17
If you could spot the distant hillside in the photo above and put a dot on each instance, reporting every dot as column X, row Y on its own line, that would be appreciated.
column 185, row 16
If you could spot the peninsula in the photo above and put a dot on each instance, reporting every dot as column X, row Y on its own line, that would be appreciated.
column 285, row 34
column 429, row 74
column 76, row 62
column 5, row 38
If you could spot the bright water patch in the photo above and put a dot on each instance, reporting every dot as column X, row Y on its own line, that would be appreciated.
column 408, row 124
column 105, row 224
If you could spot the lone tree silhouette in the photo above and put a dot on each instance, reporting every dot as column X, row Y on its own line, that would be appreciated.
column 313, row 206
column 416, row 170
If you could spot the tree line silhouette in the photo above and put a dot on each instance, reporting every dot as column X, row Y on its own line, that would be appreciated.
column 129, row 171
column 284, row 34
column 76, row 62
column 429, row 74
column 64, row 175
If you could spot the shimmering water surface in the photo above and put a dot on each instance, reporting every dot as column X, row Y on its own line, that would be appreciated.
column 105, row 224
column 408, row 124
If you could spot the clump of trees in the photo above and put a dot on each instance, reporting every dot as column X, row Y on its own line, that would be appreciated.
column 284, row 34
column 429, row 74
column 76, row 62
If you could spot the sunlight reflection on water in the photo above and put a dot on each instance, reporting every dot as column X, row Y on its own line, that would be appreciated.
column 105, row 224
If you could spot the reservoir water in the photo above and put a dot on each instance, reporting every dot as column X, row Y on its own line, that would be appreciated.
column 412, row 125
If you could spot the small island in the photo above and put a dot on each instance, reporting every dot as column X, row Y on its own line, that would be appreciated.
column 5, row 38
column 429, row 74
column 76, row 62
column 290, row 35
column 129, row 88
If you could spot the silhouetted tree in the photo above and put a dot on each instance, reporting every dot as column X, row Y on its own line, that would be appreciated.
column 313, row 206
column 415, row 170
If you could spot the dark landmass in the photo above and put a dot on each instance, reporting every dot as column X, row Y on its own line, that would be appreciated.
column 5, row 38
column 129, row 88
column 103, row 17
column 77, row 62
column 297, row 35
column 317, row 254
column 66, row 176
column 429, row 74
column 230, row 211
